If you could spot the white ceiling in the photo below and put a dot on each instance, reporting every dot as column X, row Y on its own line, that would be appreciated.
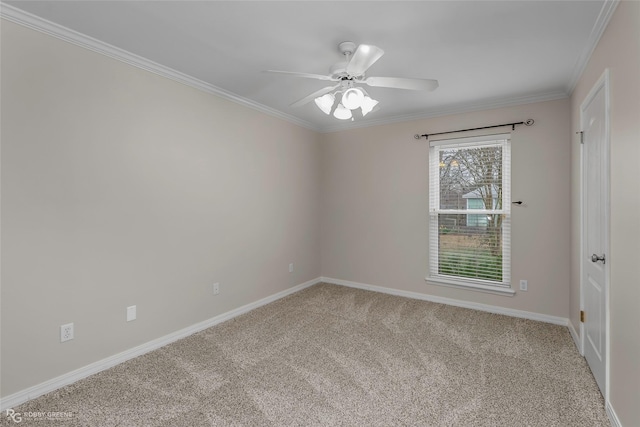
column 483, row 53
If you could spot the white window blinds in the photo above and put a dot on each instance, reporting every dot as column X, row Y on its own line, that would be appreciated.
column 470, row 210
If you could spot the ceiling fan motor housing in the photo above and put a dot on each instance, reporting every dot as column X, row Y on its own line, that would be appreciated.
column 347, row 48
column 339, row 69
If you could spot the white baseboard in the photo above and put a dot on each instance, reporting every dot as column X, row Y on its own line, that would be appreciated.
column 615, row 421
column 576, row 338
column 611, row 414
column 78, row 374
column 73, row 376
column 450, row 301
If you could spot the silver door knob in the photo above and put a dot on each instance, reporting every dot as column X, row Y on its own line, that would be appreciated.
column 596, row 258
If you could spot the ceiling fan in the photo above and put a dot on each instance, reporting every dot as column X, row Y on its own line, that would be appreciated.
column 349, row 76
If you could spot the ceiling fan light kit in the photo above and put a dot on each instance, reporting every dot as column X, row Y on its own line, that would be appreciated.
column 352, row 98
column 368, row 105
column 349, row 98
column 347, row 74
column 342, row 113
column 325, row 102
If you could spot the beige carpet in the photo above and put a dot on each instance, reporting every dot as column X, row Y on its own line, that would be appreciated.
column 330, row 356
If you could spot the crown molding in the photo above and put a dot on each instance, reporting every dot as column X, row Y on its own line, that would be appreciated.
column 20, row 17
column 34, row 22
column 608, row 7
column 450, row 110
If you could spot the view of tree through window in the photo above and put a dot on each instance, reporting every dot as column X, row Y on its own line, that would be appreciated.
column 470, row 211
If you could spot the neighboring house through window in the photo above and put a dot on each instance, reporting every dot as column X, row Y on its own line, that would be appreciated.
column 470, row 212
column 475, row 201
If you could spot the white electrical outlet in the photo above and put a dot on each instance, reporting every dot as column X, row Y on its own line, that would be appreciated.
column 216, row 288
column 523, row 285
column 291, row 268
column 131, row 313
column 66, row 332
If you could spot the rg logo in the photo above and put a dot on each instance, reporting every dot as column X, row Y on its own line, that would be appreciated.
column 15, row 416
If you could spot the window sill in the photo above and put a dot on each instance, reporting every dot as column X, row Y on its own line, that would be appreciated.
column 452, row 283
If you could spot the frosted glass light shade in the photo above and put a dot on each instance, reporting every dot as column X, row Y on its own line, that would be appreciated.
column 352, row 98
column 342, row 113
column 368, row 104
column 325, row 102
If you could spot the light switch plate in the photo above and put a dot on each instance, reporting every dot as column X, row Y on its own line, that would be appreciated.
column 131, row 313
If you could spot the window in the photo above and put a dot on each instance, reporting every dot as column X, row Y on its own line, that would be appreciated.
column 469, row 212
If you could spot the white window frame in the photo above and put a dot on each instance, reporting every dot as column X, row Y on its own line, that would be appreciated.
column 488, row 286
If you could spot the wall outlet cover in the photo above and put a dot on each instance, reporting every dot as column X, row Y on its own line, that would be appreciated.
column 66, row 332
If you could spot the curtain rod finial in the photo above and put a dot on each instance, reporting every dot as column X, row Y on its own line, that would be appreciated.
column 418, row 136
column 529, row 122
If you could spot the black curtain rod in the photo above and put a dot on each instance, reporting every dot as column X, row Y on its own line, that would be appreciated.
column 528, row 122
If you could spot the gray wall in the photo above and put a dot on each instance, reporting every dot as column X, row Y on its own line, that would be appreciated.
column 119, row 188
column 375, row 205
column 619, row 51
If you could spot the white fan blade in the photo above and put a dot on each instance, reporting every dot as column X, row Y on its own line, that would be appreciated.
column 304, row 75
column 364, row 57
column 402, row 83
column 314, row 95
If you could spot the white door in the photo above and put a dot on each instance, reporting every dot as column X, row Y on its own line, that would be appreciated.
column 595, row 127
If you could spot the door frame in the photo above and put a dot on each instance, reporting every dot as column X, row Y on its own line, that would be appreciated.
column 604, row 84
